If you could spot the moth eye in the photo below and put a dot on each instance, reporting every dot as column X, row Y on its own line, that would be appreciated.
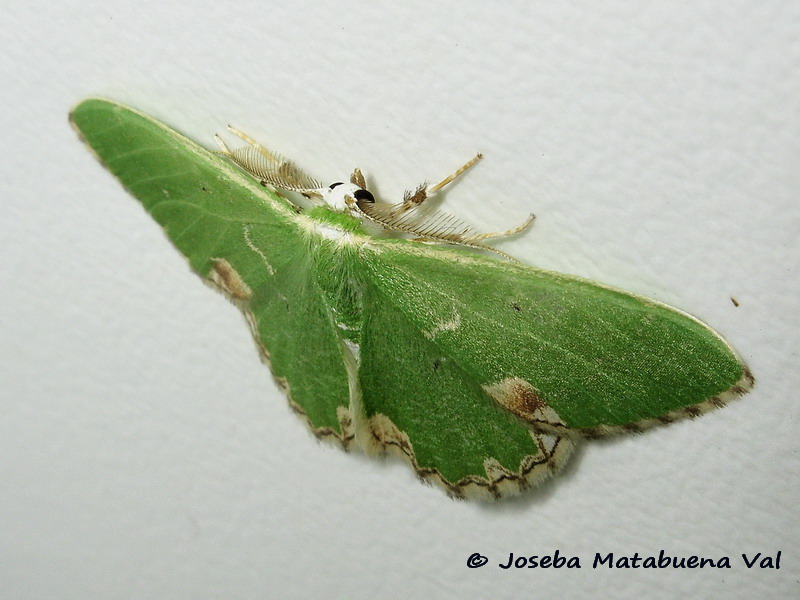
column 333, row 185
column 364, row 195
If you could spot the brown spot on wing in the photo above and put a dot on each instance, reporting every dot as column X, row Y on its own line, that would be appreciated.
column 521, row 399
column 229, row 280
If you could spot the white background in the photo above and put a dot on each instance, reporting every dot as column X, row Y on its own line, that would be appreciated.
column 146, row 453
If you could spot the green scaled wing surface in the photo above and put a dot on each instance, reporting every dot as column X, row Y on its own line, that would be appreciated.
column 566, row 355
column 478, row 371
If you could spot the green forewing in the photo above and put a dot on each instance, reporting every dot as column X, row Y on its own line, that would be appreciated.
column 211, row 211
column 597, row 356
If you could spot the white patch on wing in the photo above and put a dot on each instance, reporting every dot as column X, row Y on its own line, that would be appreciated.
column 451, row 325
column 256, row 249
column 334, row 233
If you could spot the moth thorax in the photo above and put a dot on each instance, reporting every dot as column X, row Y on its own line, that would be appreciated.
column 336, row 194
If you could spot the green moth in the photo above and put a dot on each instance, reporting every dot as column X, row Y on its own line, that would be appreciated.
column 481, row 372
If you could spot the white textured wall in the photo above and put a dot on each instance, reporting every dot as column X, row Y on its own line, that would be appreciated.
column 146, row 453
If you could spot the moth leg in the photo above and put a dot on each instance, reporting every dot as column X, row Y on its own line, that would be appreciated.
column 460, row 171
column 507, row 233
column 243, row 136
column 223, row 147
column 226, row 151
column 424, row 191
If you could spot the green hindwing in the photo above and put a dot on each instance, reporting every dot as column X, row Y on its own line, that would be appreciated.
column 483, row 373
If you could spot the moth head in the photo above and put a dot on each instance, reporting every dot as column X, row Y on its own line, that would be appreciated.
column 343, row 196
